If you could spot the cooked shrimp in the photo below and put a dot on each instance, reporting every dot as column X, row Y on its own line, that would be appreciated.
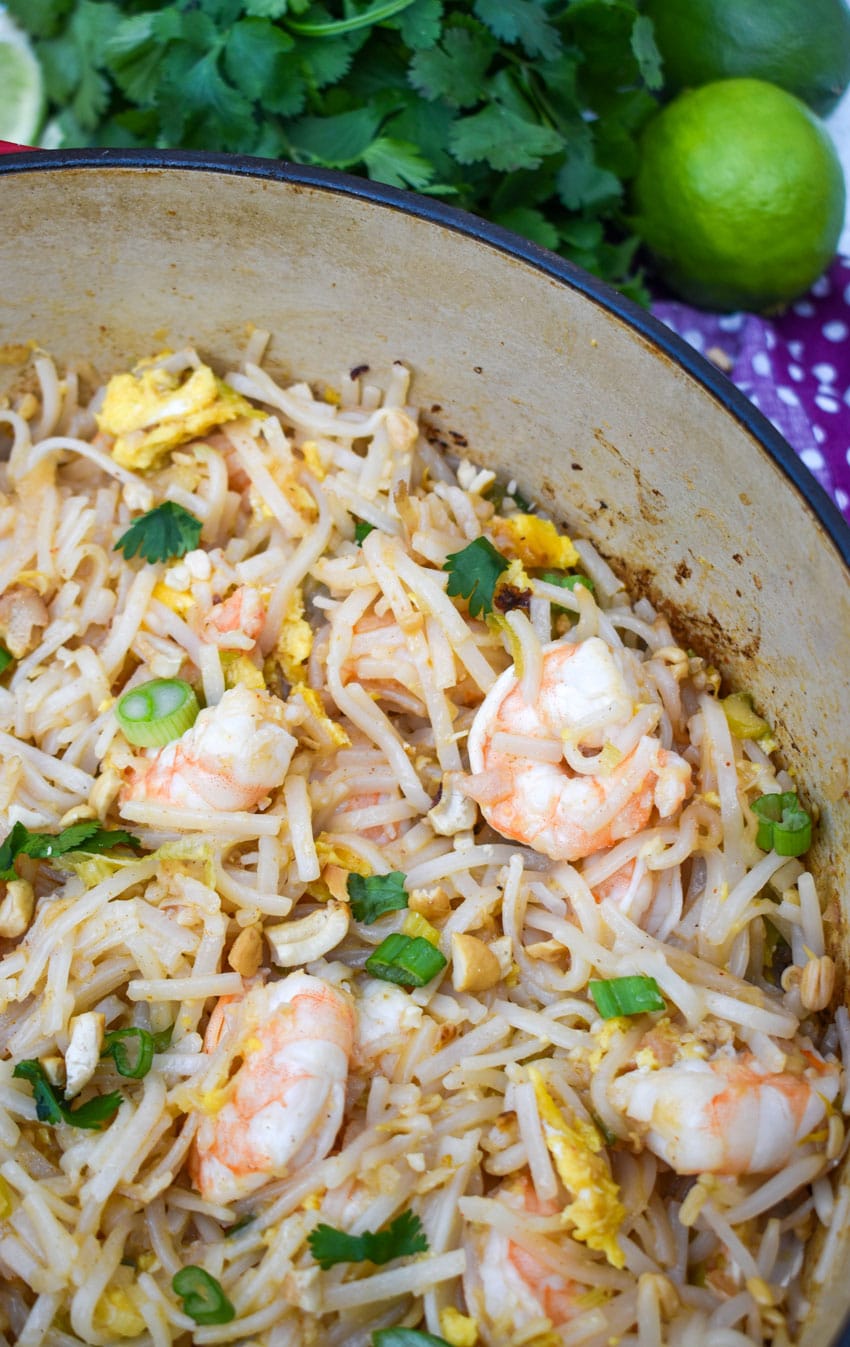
column 284, row 1106
column 567, row 810
column 386, row 1017
column 511, row 1290
column 728, row 1115
column 236, row 623
column 233, row 755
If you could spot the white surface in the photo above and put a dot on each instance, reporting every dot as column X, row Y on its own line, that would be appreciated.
column 839, row 127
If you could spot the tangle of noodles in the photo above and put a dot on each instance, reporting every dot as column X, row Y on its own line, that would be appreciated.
column 561, row 798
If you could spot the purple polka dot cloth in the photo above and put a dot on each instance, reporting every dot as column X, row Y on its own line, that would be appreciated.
column 794, row 366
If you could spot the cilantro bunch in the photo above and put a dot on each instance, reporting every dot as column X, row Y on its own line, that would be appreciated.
column 523, row 111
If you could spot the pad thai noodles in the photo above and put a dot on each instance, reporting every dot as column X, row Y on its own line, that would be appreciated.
column 404, row 940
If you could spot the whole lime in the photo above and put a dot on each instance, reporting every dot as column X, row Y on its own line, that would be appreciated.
column 739, row 195
column 801, row 45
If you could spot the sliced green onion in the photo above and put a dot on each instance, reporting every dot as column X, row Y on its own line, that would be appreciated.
column 566, row 581
column 362, row 530
column 147, row 1044
column 783, row 826
column 5, row 659
column 742, row 720
column 626, row 996
column 409, row 961
column 154, row 713
column 202, row 1296
column 113, row 1046
column 405, row 1337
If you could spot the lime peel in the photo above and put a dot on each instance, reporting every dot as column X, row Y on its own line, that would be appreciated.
column 21, row 85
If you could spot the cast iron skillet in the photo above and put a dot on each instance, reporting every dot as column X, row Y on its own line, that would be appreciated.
column 86, row 166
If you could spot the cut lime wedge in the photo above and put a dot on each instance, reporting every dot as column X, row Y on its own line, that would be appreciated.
column 21, row 87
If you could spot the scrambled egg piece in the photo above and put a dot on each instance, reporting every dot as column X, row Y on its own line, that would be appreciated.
column 116, row 1314
column 313, row 460
column 459, row 1330
column 152, row 411
column 596, row 1210
column 239, row 669
column 8, row 1199
column 178, row 601
column 295, row 640
column 604, row 1033
column 535, row 542
column 334, row 853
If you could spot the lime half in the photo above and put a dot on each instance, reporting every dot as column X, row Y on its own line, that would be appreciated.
column 21, row 88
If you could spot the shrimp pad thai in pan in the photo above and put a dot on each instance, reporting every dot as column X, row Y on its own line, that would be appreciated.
column 404, row 940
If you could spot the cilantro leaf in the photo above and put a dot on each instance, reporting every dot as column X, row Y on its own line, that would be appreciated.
column 134, row 51
column 532, row 223
column 522, row 21
column 252, row 57
column 473, row 573
column 163, row 533
column 455, row 69
column 49, row 1108
column 338, row 141
column 373, row 895
column 267, row 9
column 41, row 18
column 399, row 163
column 581, row 182
column 402, row 1237
column 646, row 52
column 87, row 835
column 502, row 138
column 419, row 24
column 5, row 659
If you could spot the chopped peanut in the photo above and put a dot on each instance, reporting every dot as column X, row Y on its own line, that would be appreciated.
column 104, row 791
column 475, row 967
column 429, row 903
column 16, row 909
column 83, row 1051
column 53, row 1066
column 547, row 951
column 246, row 952
column 454, row 812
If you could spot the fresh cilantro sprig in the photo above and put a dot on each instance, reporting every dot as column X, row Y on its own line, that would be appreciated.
column 402, row 1237
column 527, row 112
column 163, row 533
column 87, row 835
column 373, row 895
column 473, row 574
column 49, row 1108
